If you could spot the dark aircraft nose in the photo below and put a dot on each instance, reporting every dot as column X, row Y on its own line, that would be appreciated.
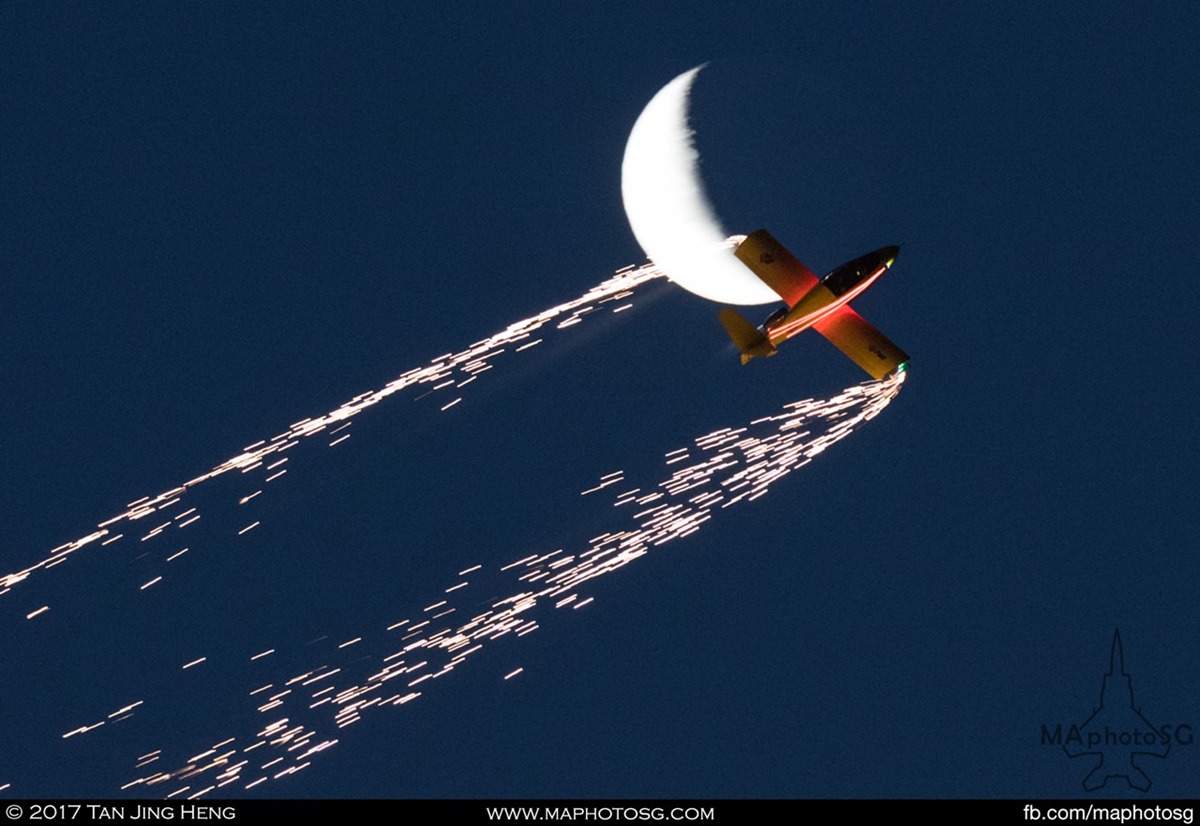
column 889, row 254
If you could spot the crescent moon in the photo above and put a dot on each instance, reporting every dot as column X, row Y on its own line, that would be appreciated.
column 668, row 210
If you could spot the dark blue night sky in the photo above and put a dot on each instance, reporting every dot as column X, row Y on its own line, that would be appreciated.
column 221, row 219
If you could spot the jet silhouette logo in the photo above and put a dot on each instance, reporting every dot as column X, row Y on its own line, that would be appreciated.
column 1117, row 736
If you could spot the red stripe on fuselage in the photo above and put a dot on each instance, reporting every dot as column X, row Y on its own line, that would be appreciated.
column 790, row 328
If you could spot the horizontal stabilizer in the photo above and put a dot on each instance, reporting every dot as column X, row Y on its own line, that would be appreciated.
column 867, row 347
column 775, row 266
column 748, row 338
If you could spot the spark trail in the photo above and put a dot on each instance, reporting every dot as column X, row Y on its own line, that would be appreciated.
column 450, row 373
column 304, row 711
column 300, row 712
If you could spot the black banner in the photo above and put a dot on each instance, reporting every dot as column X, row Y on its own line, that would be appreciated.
column 595, row 811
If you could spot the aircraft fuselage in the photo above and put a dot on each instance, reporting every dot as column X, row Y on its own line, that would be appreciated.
column 838, row 287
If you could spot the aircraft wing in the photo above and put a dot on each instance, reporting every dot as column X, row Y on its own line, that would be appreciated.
column 776, row 267
column 867, row 347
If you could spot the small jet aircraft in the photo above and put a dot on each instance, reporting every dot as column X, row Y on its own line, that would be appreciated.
column 820, row 303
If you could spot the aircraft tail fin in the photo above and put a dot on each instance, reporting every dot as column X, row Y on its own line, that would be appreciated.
column 748, row 338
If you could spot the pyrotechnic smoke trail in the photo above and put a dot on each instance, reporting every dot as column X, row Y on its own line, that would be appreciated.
column 450, row 372
column 302, row 711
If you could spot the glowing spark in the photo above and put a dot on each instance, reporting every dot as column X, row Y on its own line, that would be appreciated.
column 83, row 729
